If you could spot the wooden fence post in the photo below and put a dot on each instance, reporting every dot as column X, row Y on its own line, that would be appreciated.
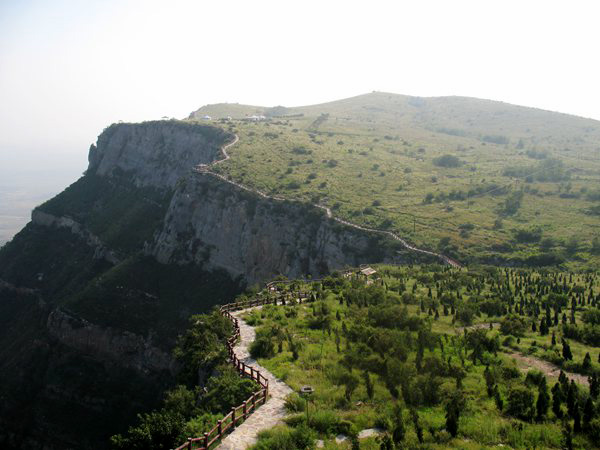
column 206, row 441
column 233, row 417
column 220, row 427
column 245, row 410
column 189, row 446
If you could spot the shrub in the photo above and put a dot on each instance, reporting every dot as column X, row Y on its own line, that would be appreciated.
column 513, row 325
column 447, row 161
column 295, row 403
column 521, row 403
column 262, row 347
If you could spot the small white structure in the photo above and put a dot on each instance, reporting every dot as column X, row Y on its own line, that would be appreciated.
column 256, row 118
column 206, row 117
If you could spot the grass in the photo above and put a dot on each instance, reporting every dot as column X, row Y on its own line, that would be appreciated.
column 371, row 160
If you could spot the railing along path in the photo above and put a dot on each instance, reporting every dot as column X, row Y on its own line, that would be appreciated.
column 241, row 412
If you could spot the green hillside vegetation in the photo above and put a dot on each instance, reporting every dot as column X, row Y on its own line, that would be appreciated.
column 461, row 175
column 432, row 357
column 395, row 355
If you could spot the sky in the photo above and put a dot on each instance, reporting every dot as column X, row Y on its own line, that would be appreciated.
column 70, row 68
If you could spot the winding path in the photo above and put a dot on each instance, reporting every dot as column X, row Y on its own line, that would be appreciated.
column 269, row 414
column 207, row 168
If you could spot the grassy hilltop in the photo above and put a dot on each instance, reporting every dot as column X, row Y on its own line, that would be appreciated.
column 477, row 179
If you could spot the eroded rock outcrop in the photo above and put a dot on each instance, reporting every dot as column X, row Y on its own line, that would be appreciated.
column 214, row 223
column 157, row 153
column 101, row 251
column 128, row 349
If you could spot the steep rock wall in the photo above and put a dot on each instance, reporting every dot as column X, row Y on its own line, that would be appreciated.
column 128, row 349
column 155, row 153
column 212, row 222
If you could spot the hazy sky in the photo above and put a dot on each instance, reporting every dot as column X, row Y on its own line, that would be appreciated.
column 69, row 68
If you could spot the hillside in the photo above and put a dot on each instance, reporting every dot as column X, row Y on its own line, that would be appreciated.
column 174, row 217
column 409, row 357
column 519, row 186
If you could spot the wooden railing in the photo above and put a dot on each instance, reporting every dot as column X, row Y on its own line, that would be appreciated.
column 241, row 412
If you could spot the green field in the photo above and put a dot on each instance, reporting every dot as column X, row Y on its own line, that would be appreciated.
column 524, row 191
column 353, row 329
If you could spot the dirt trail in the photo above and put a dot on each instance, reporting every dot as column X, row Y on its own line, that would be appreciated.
column 207, row 169
column 526, row 363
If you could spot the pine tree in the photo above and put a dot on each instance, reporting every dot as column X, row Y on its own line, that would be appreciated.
column 553, row 339
column 571, row 398
column 498, row 399
column 557, row 399
column 568, row 436
column 589, row 412
column 543, row 400
column 587, row 362
column 399, row 430
column 576, row 418
column 566, row 351
column 489, row 381
column 453, row 408
column 418, row 428
column 594, row 386
column 369, row 385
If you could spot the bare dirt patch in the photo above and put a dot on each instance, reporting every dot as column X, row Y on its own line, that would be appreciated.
column 526, row 363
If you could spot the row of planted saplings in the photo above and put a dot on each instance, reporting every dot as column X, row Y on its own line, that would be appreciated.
column 240, row 412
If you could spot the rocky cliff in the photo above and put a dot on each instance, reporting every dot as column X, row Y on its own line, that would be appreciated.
column 154, row 153
column 215, row 223
column 131, row 250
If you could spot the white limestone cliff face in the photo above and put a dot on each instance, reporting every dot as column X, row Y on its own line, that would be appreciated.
column 214, row 223
column 157, row 153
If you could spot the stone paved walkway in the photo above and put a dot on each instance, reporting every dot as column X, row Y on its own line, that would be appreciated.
column 269, row 414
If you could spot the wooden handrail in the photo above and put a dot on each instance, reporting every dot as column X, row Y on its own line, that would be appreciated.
column 251, row 403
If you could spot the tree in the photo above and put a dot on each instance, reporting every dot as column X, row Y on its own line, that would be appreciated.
column 489, row 381
column 418, row 428
column 156, row 430
column 594, row 386
column 576, row 418
column 571, row 398
column 543, row 400
column 566, row 350
column 399, row 430
column 589, row 412
column 369, row 385
column 498, row 399
column 520, row 403
column 453, row 408
column 568, row 436
column 557, row 399
column 587, row 363
column 202, row 346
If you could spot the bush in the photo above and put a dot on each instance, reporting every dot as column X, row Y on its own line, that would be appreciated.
column 294, row 403
column 521, row 403
column 226, row 390
column 156, row 430
column 513, row 325
column 262, row 347
column 285, row 438
column 447, row 161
